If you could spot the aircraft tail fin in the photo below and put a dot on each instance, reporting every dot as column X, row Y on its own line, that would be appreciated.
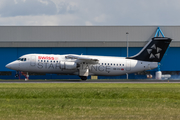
column 154, row 50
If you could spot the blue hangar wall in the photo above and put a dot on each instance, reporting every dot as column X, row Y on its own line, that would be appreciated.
column 169, row 63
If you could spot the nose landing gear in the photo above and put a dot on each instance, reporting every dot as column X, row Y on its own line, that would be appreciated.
column 17, row 74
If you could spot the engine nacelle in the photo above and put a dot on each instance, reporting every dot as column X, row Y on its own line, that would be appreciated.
column 68, row 65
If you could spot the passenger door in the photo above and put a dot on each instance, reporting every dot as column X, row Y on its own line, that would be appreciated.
column 33, row 60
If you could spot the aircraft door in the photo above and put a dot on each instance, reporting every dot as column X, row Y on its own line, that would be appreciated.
column 33, row 60
column 128, row 65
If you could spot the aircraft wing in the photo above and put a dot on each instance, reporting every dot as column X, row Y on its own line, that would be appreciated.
column 81, row 58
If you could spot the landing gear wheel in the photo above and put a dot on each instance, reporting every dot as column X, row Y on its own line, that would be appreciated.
column 17, row 74
column 83, row 77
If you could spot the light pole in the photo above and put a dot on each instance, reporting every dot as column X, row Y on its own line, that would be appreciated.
column 127, row 40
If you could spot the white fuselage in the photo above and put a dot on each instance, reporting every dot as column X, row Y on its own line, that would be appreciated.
column 59, row 64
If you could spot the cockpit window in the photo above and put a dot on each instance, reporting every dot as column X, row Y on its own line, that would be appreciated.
column 21, row 59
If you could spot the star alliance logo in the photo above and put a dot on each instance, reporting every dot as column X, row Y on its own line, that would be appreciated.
column 154, row 54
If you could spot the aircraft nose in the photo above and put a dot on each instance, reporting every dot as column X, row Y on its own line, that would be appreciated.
column 13, row 65
column 8, row 66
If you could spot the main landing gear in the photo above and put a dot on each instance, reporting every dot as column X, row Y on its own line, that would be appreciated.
column 83, row 77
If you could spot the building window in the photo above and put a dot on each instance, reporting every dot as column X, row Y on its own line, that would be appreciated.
column 171, row 72
column 34, row 74
column 143, row 73
column 5, row 73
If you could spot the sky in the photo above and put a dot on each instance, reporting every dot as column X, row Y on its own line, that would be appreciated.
column 89, row 12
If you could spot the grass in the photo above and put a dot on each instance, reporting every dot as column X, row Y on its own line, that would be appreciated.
column 87, row 101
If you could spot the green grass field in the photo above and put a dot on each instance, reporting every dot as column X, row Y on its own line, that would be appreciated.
column 89, row 101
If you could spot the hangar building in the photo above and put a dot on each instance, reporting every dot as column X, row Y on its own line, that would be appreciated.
column 16, row 41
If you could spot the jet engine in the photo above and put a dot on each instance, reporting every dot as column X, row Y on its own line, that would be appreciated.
column 68, row 65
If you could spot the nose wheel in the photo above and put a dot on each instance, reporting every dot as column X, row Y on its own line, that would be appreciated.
column 17, row 74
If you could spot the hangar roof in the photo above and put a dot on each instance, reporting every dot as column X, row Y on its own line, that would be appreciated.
column 83, row 36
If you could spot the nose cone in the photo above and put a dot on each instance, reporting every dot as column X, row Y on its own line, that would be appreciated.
column 13, row 65
column 8, row 66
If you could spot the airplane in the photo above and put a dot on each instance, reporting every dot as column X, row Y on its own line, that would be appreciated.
column 85, row 65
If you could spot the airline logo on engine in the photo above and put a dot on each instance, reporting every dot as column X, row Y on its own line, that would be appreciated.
column 47, row 58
